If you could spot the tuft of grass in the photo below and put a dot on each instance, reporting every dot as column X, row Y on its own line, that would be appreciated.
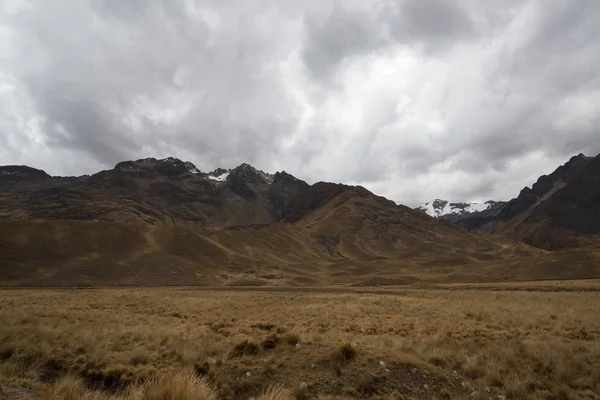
column 276, row 393
column 139, row 359
column 516, row 387
column 6, row 352
column 177, row 385
column 344, row 353
column 202, row 368
column 271, row 342
column 472, row 368
column 70, row 387
column 366, row 384
column 493, row 375
column 245, row 348
column 263, row 326
column 445, row 394
column 292, row 338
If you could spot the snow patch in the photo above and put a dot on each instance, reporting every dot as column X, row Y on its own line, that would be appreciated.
column 430, row 210
column 219, row 178
column 439, row 208
column 476, row 207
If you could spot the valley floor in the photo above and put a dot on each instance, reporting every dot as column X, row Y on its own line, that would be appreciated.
column 539, row 340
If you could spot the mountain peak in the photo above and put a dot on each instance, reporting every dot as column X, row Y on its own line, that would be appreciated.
column 168, row 167
column 250, row 174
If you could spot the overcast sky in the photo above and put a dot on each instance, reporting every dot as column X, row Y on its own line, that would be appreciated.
column 413, row 99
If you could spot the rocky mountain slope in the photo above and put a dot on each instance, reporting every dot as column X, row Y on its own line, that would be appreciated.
column 545, row 186
column 566, row 211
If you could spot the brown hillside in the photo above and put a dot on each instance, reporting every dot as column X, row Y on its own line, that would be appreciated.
column 355, row 238
column 359, row 225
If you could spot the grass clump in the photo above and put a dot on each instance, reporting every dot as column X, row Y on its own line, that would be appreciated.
column 139, row 359
column 516, row 387
column 246, row 348
column 178, row 385
column 6, row 352
column 445, row 394
column 71, row 388
column 276, row 393
column 344, row 353
column 292, row 338
column 271, row 342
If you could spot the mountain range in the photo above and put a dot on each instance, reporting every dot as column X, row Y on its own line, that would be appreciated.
column 166, row 222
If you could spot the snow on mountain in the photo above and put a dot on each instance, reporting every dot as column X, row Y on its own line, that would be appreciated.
column 191, row 168
column 219, row 175
column 443, row 208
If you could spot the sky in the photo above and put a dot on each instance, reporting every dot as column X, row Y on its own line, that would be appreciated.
column 464, row 100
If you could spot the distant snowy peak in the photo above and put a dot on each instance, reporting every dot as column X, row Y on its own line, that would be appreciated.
column 443, row 208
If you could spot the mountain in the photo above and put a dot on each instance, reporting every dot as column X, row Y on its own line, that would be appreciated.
column 544, row 187
column 482, row 217
column 558, row 211
column 149, row 191
column 565, row 212
column 164, row 221
column 167, row 222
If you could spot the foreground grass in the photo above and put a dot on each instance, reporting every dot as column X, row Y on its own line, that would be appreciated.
column 134, row 343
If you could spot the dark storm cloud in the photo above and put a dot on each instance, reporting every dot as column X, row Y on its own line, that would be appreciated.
column 336, row 36
column 415, row 99
column 432, row 23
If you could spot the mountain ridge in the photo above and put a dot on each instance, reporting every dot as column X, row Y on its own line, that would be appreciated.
column 164, row 221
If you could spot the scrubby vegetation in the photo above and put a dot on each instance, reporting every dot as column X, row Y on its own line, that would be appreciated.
column 113, row 344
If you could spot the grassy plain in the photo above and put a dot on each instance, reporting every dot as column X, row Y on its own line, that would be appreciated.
column 517, row 341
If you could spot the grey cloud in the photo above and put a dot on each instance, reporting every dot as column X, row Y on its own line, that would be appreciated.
column 156, row 53
column 433, row 23
column 337, row 36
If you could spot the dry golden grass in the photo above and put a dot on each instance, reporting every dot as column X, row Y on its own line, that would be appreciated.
column 175, row 385
column 117, row 343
